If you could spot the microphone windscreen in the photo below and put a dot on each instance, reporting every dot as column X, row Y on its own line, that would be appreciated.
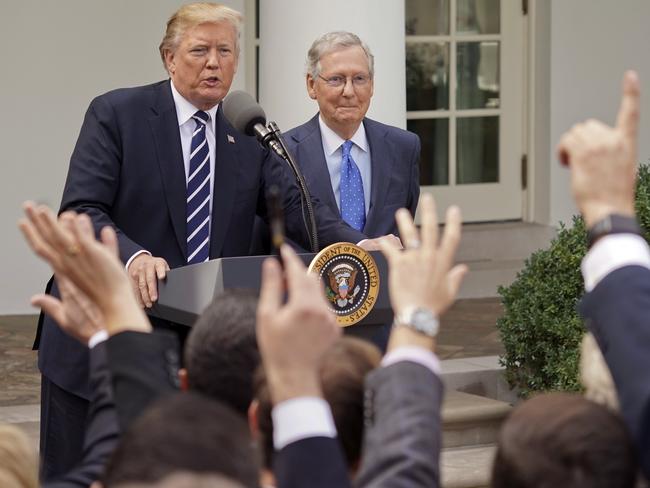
column 243, row 112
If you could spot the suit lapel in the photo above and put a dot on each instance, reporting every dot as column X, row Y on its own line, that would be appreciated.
column 225, row 183
column 309, row 153
column 164, row 126
column 382, row 159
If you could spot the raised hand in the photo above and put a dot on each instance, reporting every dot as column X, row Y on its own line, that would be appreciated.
column 424, row 274
column 293, row 337
column 70, row 247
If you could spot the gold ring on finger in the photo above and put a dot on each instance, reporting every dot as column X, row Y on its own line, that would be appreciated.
column 73, row 250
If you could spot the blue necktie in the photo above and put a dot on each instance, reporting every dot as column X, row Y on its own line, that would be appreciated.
column 353, row 208
column 198, row 194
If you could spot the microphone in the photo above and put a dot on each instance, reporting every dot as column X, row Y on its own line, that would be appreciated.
column 246, row 115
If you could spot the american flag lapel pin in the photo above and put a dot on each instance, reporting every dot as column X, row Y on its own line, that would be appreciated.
column 231, row 139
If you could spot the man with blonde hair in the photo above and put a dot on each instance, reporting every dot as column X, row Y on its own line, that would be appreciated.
column 161, row 165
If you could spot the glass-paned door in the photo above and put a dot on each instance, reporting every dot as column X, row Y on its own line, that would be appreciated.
column 464, row 82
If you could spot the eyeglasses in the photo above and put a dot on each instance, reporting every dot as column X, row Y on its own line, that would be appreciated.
column 338, row 81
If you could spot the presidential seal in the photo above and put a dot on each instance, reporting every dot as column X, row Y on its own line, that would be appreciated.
column 350, row 278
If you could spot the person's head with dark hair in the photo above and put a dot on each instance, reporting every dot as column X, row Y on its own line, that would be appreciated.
column 221, row 353
column 562, row 439
column 342, row 375
column 185, row 432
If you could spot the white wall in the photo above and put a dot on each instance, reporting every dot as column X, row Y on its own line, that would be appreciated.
column 380, row 23
column 592, row 43
column 56, row 56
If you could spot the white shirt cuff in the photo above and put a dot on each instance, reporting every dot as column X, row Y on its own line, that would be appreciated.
column 97, row 338
column 128, row 263
column 301, row 418
column 611, row 253
column 415, row 354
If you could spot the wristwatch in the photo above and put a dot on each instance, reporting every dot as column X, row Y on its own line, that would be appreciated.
column 612, row 224
column 419, row 319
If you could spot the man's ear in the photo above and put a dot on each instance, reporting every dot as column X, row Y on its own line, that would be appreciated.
column 182, row 376
column 311, row 86
column 169, row 61
column 253, row 424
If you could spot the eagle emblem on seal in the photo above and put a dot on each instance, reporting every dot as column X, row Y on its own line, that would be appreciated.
column 341, row 289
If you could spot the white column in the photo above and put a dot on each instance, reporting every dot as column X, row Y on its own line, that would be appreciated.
column 287, row 30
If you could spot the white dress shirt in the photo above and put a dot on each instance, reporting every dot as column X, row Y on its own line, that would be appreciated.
column 360, row 152
column 612, row 252
column 97, row 338
column 186, row 125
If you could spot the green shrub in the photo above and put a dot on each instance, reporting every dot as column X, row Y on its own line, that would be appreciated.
column 540, row 329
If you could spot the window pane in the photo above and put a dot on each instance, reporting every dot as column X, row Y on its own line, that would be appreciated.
column 427, row 17
column 477, row 17
column 434, row 159
column 477, row 150
column 477, row 70
column 427, row 76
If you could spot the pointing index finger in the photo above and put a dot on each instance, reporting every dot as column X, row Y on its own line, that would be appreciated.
column 628, row 113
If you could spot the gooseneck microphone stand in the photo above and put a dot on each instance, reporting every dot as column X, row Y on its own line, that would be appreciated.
column 308, row 216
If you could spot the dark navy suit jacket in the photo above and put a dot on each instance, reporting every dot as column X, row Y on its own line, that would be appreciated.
column 102, row 431
column 617, row 311
column 395, row 156
column 127, row 171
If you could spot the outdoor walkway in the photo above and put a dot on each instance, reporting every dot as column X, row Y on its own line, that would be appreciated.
column 467, row 330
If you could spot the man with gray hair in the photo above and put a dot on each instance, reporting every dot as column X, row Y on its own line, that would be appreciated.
column 362, row 169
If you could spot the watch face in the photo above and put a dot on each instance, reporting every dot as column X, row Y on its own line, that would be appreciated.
column 421, row 316
column 425, row 321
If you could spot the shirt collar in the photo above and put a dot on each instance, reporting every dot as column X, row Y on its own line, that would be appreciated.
column 185, row 110
column 332, row 141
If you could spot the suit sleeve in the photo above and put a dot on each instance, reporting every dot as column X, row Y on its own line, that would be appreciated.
column 102, row 432
column 330, row 227
column 316, row 462
column 93, row 179
column 617, row 312
column 143, row 368
column 414, row 186
column 402, row 438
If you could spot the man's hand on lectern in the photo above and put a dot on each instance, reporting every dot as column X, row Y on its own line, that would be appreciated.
column 144, row 271
column 376, row 243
